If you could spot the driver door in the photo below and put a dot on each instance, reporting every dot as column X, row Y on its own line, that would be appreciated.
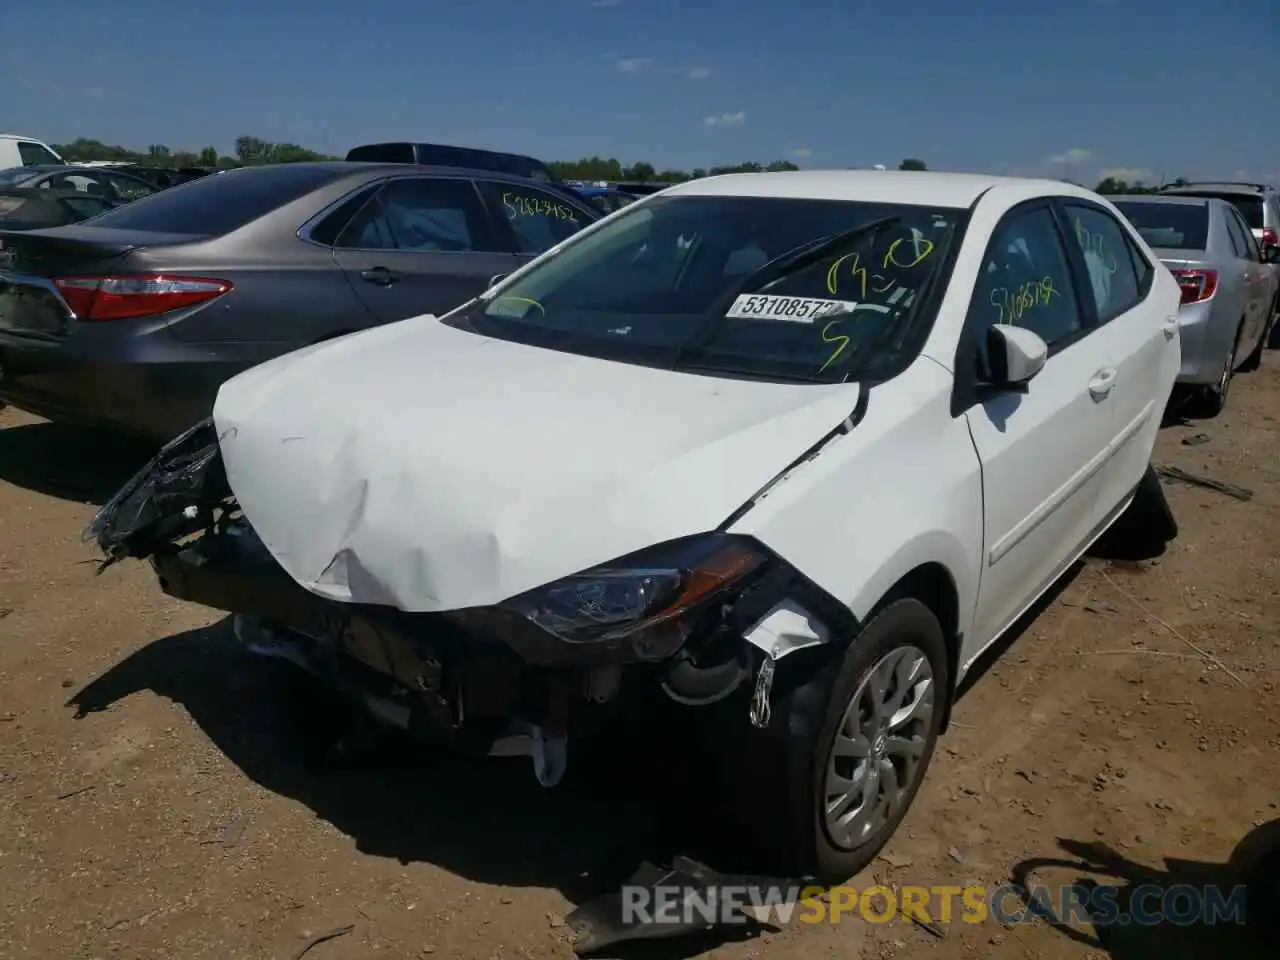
column 1041, row 450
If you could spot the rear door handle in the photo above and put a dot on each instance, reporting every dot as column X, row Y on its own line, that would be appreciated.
column 1171, row 327
column 1102, row 382
column 379, row 276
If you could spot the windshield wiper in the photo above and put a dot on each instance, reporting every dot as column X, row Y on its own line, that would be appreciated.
column 776, row 270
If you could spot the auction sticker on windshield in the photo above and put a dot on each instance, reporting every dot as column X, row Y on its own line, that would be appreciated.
column 758, row 306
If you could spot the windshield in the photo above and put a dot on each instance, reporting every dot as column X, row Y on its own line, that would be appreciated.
column 216, row 205
column 1175, row 226
column 678, row 280
column 1249, row 205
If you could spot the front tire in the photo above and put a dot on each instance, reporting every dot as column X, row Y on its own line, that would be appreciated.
column 848, row 745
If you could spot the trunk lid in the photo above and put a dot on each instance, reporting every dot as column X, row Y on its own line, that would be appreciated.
column 30, row 260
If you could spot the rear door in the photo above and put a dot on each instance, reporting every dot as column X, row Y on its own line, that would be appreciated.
column 1256, row 278
column 1041, row 451
column 1136, row 332
column 421, row 245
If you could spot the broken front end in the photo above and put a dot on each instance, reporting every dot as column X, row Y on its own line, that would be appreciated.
column 695, row 619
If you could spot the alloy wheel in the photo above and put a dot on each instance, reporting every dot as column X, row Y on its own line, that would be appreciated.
column 875, row 758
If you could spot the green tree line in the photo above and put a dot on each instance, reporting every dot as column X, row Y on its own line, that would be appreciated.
column 253, row 151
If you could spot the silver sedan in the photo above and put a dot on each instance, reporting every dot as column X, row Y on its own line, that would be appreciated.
column 1227, row 291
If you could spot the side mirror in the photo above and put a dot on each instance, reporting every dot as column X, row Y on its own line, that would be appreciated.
column 1014, row 356
column 1271, row 254
column 496, row 279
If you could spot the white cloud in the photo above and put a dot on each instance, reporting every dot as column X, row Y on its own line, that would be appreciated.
column 801, row 152
column 727, row 119
column 604, row 3
column 633, row 64
column 1074, row 155
column 699, row 73
column 1128, row 174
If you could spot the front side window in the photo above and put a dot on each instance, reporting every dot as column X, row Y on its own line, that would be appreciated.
column 1025, row 279
column 781, row 288
column 421, row 216
column 34, row 154
column 1107, row 260
column 538, row 219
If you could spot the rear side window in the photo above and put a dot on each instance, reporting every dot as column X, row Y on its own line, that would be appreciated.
column 421, row 215
column 1107, row 260
column 1177, row 226
column 34, row 154
column 537, row 218
column 221, row 203
column 1242, row 238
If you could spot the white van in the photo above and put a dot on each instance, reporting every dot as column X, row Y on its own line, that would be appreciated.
column 16, row 151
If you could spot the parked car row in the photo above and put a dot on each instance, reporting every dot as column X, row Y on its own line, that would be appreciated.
column 134, row 319
column 789, row 450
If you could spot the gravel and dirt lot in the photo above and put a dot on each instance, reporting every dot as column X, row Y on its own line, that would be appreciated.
column 157, row 798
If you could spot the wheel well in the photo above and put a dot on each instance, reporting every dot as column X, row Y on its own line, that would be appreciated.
column 932, row 585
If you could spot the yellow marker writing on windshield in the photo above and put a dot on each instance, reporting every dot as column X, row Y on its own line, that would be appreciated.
column 839, row 339
column 856, row 269
column 528, row 300
column 891, row 258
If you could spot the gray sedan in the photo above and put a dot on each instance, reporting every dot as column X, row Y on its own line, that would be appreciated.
column 133, row 319
column 1227, row 291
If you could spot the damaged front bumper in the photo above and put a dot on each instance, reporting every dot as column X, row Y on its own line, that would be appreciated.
column 489, row 680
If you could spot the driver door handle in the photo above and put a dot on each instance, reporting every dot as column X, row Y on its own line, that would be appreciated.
column 379, row 276
column 1102, row 382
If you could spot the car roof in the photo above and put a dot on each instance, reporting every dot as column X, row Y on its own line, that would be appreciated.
column 356, row 168
column 915, row 187
column 1221, row 186
column 1186, row 201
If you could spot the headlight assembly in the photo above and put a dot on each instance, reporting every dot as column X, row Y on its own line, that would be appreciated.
column 653, row 591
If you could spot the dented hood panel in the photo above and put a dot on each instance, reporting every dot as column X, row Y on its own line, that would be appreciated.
column 427, row 468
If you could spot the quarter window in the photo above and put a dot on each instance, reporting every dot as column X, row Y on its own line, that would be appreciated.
column 1242, row 236
column 1026, row 280
column 538, row 219
column 427, row 216
column 1107, row 260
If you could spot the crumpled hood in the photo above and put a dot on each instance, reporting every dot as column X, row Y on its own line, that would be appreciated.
column 428, row 468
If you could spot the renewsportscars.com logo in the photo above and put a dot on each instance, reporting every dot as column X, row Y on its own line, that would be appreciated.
column 1145, row 905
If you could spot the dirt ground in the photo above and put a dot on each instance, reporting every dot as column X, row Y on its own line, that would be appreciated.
column 155, row 802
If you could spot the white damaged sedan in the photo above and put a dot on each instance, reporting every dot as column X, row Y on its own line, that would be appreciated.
column 790, row 449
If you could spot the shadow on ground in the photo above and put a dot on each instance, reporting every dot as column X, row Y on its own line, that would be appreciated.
column 1190, row 910
column 68, row 461
column 483, row 819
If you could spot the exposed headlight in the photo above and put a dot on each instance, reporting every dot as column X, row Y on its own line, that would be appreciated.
column 651, row 591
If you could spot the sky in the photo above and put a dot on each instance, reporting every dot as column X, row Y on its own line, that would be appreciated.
column 1138, row 89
